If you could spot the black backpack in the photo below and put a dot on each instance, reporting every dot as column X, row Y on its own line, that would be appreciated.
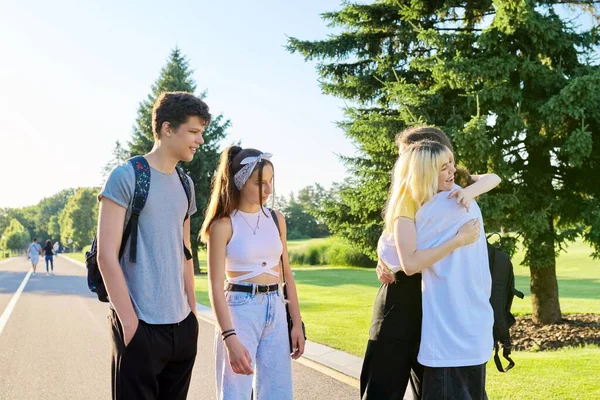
column 142, row 187
column 503, row 293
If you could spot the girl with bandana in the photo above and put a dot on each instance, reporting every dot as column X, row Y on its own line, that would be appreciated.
column 247, row 255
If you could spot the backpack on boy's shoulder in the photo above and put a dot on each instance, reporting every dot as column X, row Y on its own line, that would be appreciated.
column 142, row 187
column 503, row 293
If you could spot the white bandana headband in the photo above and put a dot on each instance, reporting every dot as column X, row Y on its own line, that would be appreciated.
column 249, row 163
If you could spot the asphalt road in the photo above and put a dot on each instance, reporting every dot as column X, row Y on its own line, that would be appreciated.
column 54, row 342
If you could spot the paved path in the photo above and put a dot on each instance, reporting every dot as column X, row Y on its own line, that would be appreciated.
column 54, row 342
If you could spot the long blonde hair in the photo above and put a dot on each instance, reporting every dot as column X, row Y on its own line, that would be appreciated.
column 415, row 175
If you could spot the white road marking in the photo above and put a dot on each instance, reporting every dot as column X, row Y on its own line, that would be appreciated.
column 13, row 302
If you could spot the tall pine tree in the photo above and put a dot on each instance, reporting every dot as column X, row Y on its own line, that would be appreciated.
column 119, row 155
column 176, row 75
column 516, row 86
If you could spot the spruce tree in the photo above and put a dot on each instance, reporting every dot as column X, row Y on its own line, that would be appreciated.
column 176, row 75
column 514, row 83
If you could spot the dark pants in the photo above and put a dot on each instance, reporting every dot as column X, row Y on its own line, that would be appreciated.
column 454, row 383
column 49, row 258
column 157, row 363
column 388, row 367
column 390, row 361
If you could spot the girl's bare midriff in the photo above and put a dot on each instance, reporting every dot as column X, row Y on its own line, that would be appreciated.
column 262, row 279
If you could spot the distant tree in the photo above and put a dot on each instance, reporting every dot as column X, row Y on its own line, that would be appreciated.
column 176, row 75
column 119, row 155
column 79, row 218
column 15, row 236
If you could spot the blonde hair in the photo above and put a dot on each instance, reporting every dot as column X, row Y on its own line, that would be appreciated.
column 416, row 175
column 418, row 133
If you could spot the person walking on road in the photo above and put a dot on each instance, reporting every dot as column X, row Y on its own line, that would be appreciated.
column 33, row 253
column 49, row 253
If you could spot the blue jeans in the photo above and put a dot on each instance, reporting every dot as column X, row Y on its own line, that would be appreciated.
column 261, row 326
column 49, row 258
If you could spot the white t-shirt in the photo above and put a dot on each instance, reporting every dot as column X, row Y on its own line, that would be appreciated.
column 457, row 316
column 35, row 249
column 386, row 251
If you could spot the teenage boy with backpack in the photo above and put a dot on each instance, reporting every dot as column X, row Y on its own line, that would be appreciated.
column 148, row 272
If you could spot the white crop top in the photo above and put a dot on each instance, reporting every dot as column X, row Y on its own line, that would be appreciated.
column 253, row 250
column 387, row 252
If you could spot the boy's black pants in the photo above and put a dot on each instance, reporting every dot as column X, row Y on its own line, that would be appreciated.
column 157, row 363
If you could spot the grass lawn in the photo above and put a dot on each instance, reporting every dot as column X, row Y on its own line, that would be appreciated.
column 76, row 256
column 555, row 375
column 578, row 281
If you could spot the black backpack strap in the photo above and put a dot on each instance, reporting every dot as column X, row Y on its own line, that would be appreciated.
column 500, row 274
column 276, row 220
column 142, row 186
column 187, row 187
column 506, row 355
column 517, row 292
column 188, row 192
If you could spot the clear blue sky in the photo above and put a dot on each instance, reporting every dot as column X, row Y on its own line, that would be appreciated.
column 73, row 73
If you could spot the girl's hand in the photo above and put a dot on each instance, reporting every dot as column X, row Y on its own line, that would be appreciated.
column 298, row 341
column 469, row 232
column 463, row 197
column 384, row 274
column 239, row 358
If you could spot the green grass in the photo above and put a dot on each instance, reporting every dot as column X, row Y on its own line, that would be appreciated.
column 79, row 256
column 75, row 256
column 555, row 375
column 299, row 245
column 578, row 281
column 326, row 251
column 337, row 302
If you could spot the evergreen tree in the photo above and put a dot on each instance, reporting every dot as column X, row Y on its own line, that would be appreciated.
column 176, row 75
column 515, row 85
column 119, row 156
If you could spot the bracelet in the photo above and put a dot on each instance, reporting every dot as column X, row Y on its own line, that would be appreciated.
column 227, row 331
column 231, row 334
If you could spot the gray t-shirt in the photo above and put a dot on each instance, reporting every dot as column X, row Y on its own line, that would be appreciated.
column 155, row 280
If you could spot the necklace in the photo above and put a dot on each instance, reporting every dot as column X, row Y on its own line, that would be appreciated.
column 250, row 226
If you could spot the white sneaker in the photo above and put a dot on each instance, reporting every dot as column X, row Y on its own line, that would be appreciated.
column 52, row 273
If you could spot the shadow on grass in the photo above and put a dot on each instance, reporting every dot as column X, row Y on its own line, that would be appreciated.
column 575, row 288
column 332, row 277
column 568, row 287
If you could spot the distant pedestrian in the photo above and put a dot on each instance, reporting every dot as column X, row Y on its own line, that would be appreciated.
column 33, row 253
column 49, row 254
